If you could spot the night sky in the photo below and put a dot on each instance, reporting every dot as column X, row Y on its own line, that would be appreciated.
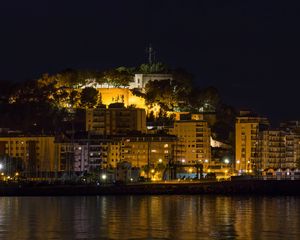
column 249, row 50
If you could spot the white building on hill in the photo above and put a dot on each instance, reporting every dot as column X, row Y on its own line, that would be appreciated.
column 140, row 80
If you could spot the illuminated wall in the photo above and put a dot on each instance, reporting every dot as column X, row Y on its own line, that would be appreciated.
column 112, row 95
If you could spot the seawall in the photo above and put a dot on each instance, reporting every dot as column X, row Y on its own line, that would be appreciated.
column 251, row 187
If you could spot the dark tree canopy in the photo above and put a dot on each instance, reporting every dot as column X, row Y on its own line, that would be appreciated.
column 89, row 97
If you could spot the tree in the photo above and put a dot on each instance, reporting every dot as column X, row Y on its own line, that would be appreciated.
column 5, row 90
column 163, row 119
column 223, row 129
column 74, row 99
column 204, row 100
column 183, row 81
column 69, row 78
column 153, row 68
column 161, row 92
column 118, row 77
column 151, row 117
column 89, row 97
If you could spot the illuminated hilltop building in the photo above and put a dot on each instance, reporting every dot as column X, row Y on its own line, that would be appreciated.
column 121, row 95
column 125, row 95
column 140, row 80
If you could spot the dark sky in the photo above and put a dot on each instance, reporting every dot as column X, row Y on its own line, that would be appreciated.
column 249, row 50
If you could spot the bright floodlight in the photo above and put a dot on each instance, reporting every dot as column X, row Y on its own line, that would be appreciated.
column 103, row 176
column 1, row 166
column 226, row 160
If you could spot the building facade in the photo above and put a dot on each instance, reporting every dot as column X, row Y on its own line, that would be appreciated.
column 141, row 150
column 37, row 153
column 193, row 144
column 279, row 150
column 115, row 120
column 272, row 149
column 247, row 142
column 121, row 95
column 97, row 153
column 84, row 153
column 140, row 80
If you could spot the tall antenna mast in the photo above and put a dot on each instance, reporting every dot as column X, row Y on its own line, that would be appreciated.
column 150, row 52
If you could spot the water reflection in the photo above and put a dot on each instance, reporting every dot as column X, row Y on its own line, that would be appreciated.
column 150, row 217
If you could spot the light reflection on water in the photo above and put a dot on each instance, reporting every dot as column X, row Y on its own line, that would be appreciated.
column 150, row 217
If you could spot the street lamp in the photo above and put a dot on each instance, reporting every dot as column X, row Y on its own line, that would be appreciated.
column 227, row 162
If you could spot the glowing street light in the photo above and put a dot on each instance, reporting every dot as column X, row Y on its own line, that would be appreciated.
column 1, row 166
column 226, row 161
column 104, row 176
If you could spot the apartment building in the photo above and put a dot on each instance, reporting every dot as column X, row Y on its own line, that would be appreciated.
column 141, row 150
column 193, row 144
column 279, row 149
column 115, row 120
column 35, row 152
column 83, row 153
column 247, row 130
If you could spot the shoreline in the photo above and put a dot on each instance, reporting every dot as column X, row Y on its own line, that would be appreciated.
column 243, row 187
